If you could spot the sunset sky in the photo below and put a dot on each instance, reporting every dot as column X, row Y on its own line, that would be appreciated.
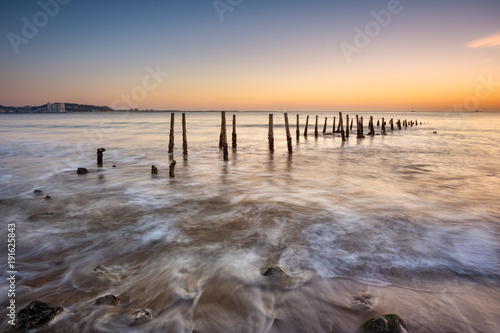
column 252, row 54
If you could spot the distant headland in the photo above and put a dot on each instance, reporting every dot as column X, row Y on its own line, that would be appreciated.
column 74, row 107
column 55, row 108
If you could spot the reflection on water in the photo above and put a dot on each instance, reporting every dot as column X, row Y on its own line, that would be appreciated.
column 405, row 223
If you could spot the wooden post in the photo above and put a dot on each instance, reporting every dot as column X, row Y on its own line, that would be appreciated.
column 316, row 128
column 378, row 122
column 324, row 127
column 307, row 124
column 333, row 130
column 352, row 122
column 288, row 136
column 270, row 134
column 338, row 126
column 399, row 123
column 171, row 137
column 392, row 124
column 297, row 132
column 359, row 122
column 224, row 136
column 416, row 122
column 371, row 127
column 154, row 170
column 222, row 121
column 184, row 135
column 347, row 126
column 99, row 156
column 235, row 144
column 357, row 127
column 171, row 169
column 341, row 124
column 383, row 127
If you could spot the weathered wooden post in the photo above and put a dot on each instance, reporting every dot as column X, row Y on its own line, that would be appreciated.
column 341, row 124
column 333, row 130
column 270, row 134
column 224, row 136
column 357, row 127
column 371, row 127
column 347, row 126
column 392, row 124
column 316, row 128
column 416, row 122
column 235, row 144
column 399, row 123
column 378, row 122
column 352, row 122
column 99, row 156
column 383, row 127
column 171, row 136
column 307, row 125
column 297, row 132
column 360, row 127
column 184, row 136
column 171, row 169
column 222, row 122
column 154, row 170
column 324, row 127
column 288, row 136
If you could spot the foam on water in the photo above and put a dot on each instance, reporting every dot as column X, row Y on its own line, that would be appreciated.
column 348, row 222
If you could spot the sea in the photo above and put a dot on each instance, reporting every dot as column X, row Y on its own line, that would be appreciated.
column 405, row 223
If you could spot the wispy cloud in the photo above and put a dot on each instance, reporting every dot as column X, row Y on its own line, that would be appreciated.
column 492, row 40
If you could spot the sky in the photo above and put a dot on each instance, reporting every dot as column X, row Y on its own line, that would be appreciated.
column 316, row 55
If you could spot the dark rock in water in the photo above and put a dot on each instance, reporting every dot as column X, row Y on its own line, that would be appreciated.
column 48, row 197
column 37, row 192
column 36, row 314
column 140, row 317
column 108, row 300
column 154, row 170
column 275, row 271
column 114, row 166
column 390, row 323
column 100, row 269
column 82, row 171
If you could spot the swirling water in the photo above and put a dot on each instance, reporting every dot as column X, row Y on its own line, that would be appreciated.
column 406, row 223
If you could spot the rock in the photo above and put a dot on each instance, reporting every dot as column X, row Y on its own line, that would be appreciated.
column 113, row 274
column 36, row 314
column 100, row 269
column 364, row 302
column 275, row 271
column 114, row 165
column 82, row 171
column 154, row 170
column 390, row 323
column 107, row 300
column 48, row 197
column 139, row 317
column 37, row 192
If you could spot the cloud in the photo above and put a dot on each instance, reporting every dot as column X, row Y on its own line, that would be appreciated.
column 492, row 40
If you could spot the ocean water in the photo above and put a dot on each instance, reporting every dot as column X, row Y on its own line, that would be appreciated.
column 407, row 223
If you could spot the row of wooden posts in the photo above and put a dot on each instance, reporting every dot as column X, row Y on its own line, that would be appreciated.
column 340, row 129
column 223, row 145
